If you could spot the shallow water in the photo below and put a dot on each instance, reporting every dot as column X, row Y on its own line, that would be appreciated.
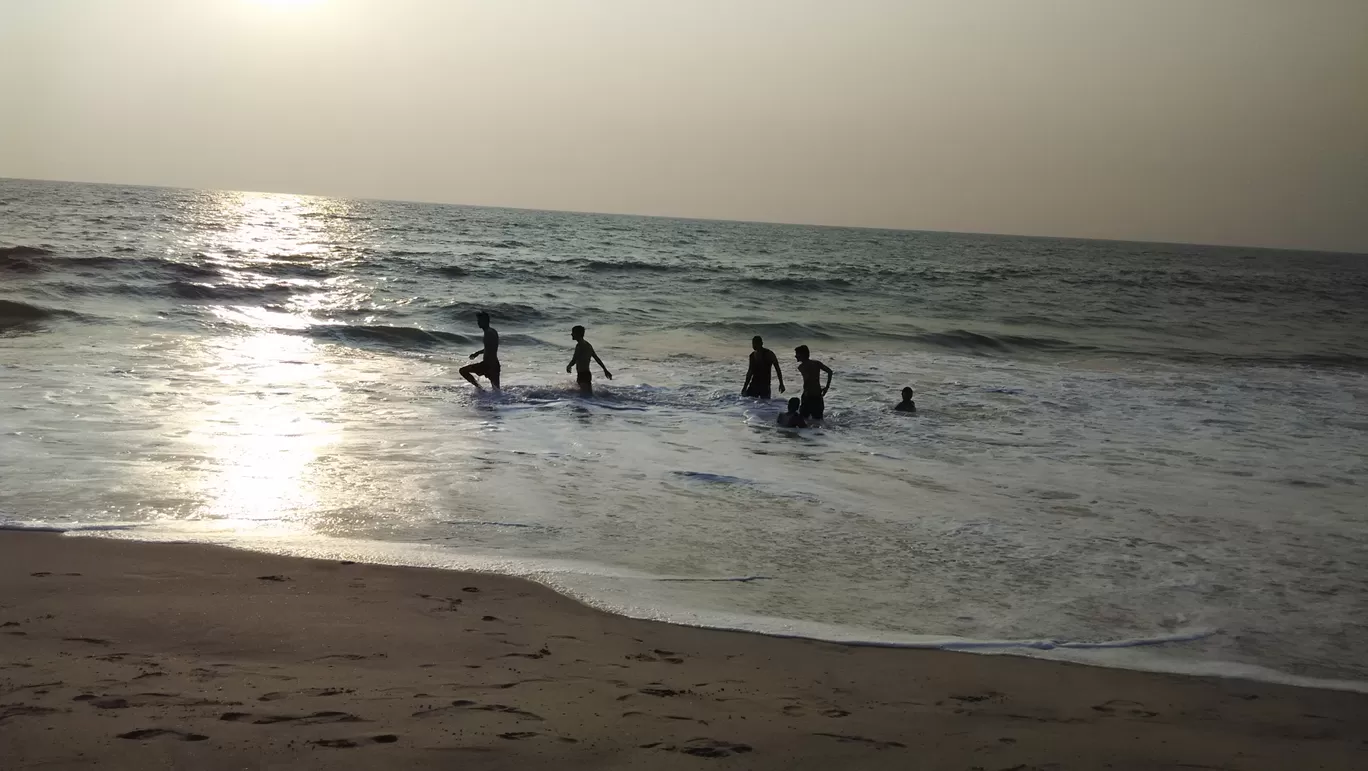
column 1155, row 448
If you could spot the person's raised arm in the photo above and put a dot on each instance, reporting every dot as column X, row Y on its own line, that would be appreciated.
column 774, row 361
column 827, row 370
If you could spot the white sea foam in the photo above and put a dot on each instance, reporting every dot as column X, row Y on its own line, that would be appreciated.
column 617, row 591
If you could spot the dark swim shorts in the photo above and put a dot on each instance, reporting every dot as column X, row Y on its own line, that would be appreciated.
column 584, row 376
column 485, row 368
column 758, row 390
column 813, row 406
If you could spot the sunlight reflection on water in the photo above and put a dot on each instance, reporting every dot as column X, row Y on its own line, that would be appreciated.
column 267, row 427
column 277, row 404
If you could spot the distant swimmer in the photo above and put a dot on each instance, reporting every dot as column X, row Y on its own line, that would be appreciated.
column 906, row 405
column 489, row 365
column 762, row 360
column 814, row 393
column 793, row 418
column 584, row 353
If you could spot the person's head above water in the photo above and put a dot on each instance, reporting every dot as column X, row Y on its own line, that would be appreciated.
column 577, row 332
column 907, row 394
column 794, row 404
column 801, row 353
column 757, row 343
column 482, row 319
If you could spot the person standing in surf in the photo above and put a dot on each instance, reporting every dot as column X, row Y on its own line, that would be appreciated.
column 758, row 375
column 814, row 394
column 489, row 365
column 584, row 353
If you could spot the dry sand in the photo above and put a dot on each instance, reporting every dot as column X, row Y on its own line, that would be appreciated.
column 121, row 655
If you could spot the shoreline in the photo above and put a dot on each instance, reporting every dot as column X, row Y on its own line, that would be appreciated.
column 126, row 654
column 1082, row 653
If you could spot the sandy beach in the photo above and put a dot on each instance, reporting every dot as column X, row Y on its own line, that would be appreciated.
column 124, row 655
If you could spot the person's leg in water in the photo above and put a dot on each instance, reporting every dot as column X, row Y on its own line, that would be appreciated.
column 813, row 406
column 493, row 375
column 586, row 384
column 465, row 372
column 468, row 372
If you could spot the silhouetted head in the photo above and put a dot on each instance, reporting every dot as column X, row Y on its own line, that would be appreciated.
column 757, row 343
column 907, row 394
column 801, row 353
column 482, row 319
column 794, row 404
column 577, row 333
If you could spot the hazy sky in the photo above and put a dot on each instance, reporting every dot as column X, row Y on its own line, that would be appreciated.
column 1220, row 121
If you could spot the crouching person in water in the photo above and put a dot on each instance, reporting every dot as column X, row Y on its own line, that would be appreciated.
column 814, row 393
column 906, row 405
column 792, row 418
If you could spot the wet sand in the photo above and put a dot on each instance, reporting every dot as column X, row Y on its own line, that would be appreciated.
column 123, row 655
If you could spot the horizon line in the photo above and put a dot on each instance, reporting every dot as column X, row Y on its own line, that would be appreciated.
column 680, row 218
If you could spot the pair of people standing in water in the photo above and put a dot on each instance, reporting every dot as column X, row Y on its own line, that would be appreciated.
column 489, row 367
column 813, row 403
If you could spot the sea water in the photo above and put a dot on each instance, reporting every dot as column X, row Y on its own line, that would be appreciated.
column 1127, row 454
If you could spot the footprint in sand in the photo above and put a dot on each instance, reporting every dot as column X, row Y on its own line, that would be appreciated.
column 875, row 743
column 351, row 656
column 465, row 704
column 346, row 744
column 24, row 710
column 662, row 692
column 1124, row 707
column 835, row 713
column 145, row 734
column 306, row 693
column 451, row 604
column 147, row 700
column 702, row 747
column 668, row 657
column 975, row 699
column 311, row 719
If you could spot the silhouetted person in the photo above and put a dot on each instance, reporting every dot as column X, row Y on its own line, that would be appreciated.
column 813, row 393
column 584, row 353
column 762, row 360
column 489, row 365
column 906, row 405
column 793, row 418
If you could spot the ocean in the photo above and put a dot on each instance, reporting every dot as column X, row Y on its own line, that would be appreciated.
column 1126, row 454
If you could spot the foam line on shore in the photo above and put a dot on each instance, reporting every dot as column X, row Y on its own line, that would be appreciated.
column 569, row 578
